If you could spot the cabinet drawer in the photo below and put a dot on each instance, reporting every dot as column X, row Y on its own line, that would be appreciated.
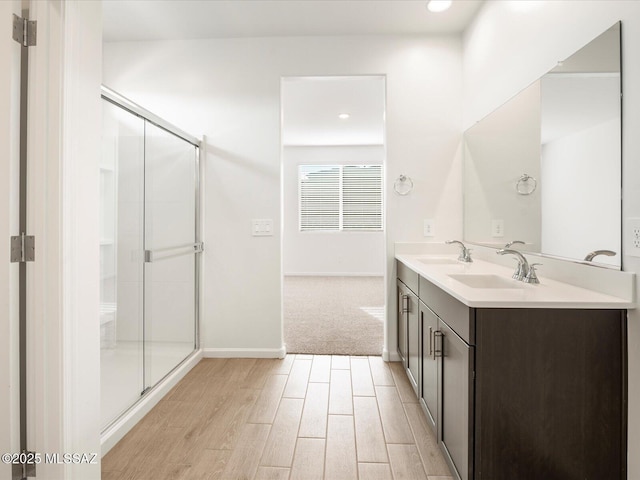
column 408, row 276
column 456, row 314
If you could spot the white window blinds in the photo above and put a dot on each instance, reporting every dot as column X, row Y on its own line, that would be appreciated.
column 340, row 197
column 362, row 197
column 319, row 197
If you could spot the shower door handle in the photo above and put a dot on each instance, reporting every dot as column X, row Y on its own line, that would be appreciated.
column 151, row 256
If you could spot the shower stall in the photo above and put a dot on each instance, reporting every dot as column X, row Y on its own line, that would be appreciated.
column 149, row 252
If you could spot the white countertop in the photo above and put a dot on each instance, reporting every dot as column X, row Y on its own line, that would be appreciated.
column 547, row 294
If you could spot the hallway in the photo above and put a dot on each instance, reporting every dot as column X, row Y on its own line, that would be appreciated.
column 304, row 417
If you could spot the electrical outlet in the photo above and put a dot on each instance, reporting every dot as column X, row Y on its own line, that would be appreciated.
column 633, row 237
column 497, row 228
column 429, row 229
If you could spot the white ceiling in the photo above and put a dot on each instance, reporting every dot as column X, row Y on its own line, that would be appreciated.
column 130, row 20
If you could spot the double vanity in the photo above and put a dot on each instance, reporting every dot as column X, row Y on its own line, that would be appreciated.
column 526, row 378
column 518, row 380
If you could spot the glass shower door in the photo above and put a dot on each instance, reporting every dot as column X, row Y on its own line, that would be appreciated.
column 148, row 253
column 121, row 271
column 170, row 252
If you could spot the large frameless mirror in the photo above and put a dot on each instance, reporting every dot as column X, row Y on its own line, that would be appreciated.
column 545, row 168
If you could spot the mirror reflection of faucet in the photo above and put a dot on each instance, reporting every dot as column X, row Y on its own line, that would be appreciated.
column 595, row 253
column 513, row 242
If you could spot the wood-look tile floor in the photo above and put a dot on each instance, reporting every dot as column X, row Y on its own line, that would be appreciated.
column 304, row 417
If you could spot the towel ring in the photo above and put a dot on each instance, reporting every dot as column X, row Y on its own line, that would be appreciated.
column 403, row 185
column 526, row 184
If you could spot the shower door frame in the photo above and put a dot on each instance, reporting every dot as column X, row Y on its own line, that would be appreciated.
column 131, row 107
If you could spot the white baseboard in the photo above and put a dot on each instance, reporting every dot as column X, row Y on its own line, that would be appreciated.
column 245, row 352
column 120, row 428
column 332, row 274
column 388, row 356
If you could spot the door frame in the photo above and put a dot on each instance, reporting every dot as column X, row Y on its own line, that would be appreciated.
column 63, row 336
column 9, row 209
column 385, row 353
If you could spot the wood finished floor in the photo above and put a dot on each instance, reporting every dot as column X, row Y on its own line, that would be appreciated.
column 304, row 417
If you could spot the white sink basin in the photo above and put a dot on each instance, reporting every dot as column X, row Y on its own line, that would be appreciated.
column 485, row 281
column 438, row 261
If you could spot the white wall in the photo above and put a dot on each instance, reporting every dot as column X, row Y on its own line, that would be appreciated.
column 229, row 90
column 511, row 44
column 311, row 108
column 327, row 253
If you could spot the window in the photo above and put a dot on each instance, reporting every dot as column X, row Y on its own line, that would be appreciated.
column 340, row 197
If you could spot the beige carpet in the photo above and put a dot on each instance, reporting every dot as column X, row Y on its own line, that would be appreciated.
column 334, row 315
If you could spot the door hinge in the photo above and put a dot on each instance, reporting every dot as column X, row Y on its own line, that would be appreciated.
column 21, row 471
column 24, row 31
column 23, row 248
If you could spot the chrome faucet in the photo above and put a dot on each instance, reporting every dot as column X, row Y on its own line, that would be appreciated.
column 595, row 253
column 522, row 270
column 531, row 276
column 465, row 255
column 510, row 244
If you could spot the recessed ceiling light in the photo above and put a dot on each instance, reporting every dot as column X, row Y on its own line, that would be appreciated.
column 438, row 5
column 343, row 116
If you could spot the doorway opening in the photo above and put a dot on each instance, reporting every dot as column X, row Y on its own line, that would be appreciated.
column 333, row 247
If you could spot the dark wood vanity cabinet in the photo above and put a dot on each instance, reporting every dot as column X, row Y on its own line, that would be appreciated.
column 550, row 398
column 521, row 393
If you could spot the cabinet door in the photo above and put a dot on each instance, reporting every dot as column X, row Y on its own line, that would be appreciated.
column 402, row 322
column 551, row 394
column 456, row 364
column 429, row 373
column 413, row 340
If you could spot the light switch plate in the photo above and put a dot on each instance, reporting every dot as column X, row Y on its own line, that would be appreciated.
column 262, row 227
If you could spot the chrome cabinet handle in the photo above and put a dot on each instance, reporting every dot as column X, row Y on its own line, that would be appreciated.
column 430, row 341
column 437, row 352
column 405, row 304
